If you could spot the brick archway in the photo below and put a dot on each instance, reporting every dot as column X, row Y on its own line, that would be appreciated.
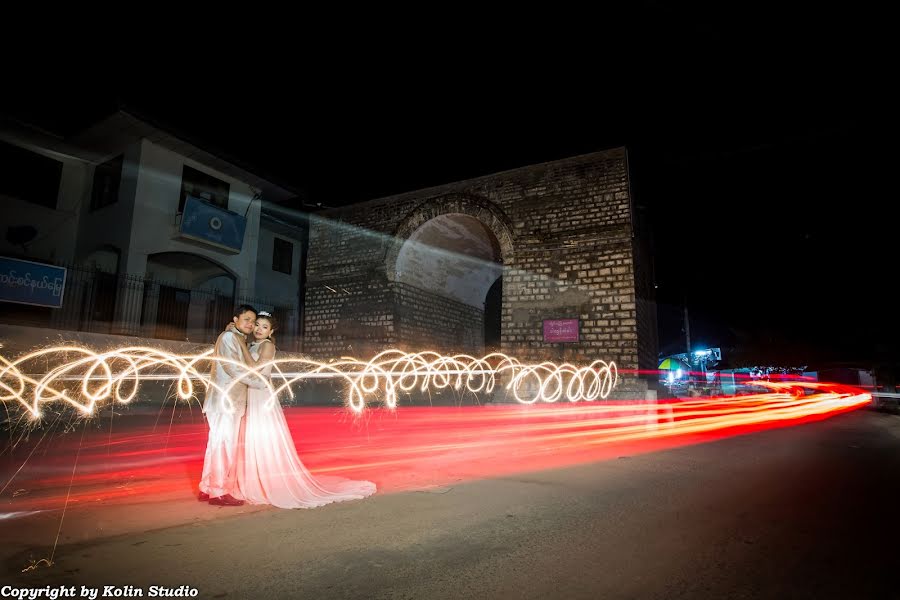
column 563, row 235
column 485, row 211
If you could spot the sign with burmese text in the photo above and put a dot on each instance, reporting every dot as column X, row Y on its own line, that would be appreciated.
column 560, row 330
column 28, row 282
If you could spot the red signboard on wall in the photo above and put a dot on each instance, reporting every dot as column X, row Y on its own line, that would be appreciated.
column 561, row 330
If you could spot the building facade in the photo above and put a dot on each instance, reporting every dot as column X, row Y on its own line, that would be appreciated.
column 161, row 239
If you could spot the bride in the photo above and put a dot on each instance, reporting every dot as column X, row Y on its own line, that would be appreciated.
column 268, row 470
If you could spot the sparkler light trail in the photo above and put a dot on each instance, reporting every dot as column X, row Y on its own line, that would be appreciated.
column 115, row 375
column 538, row 432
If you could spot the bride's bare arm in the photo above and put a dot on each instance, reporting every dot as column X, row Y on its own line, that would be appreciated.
column 266, row 353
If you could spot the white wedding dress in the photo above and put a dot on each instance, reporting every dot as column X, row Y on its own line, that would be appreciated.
column 268, row 470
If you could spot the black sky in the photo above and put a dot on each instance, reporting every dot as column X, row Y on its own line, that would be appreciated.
column 756, row 142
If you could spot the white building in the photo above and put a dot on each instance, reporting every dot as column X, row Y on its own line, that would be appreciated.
column 162, row 238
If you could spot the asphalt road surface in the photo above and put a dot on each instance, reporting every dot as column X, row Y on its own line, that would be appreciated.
column 811, row 511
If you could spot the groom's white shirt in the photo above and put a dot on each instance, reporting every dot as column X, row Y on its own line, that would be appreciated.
column 226, row 373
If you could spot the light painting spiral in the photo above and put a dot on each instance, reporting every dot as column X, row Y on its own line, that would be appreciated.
column 90, row 378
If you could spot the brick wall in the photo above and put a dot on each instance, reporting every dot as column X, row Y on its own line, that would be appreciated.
column 569, row 251
column 430, row 321
column 352, row 315
column 645, row 292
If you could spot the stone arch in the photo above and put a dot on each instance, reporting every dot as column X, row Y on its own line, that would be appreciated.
column 195, row 269
column 444, row 258
column 187, row 296
column 485, row 211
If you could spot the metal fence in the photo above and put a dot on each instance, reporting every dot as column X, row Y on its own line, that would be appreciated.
column 101, row 302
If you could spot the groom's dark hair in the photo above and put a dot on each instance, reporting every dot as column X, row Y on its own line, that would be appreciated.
column 242, row 309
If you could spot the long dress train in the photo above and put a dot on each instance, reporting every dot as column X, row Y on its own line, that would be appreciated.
column 268, row 470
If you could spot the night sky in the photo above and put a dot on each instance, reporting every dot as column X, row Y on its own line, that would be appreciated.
column 756, row 144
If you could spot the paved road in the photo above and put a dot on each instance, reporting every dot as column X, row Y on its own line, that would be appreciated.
column 803, row 512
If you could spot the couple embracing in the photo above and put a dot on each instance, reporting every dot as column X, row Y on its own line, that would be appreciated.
column 250, row 455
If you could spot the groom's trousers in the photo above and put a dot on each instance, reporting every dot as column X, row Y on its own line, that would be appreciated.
column 219, row 463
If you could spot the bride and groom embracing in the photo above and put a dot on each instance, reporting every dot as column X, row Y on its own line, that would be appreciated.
column 250, row 454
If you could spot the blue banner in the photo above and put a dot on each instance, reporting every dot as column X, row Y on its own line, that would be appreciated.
column 27, row 282
column 213, row 225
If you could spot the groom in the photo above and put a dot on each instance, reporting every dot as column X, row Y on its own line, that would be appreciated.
column 224, row 418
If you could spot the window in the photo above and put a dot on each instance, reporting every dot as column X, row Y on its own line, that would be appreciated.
column 107, row 178
column 200, row 185
column 282, row 256
column 29, row 176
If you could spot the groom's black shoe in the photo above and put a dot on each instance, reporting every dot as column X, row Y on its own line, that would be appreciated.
column 226, row 500
column 203, row 497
